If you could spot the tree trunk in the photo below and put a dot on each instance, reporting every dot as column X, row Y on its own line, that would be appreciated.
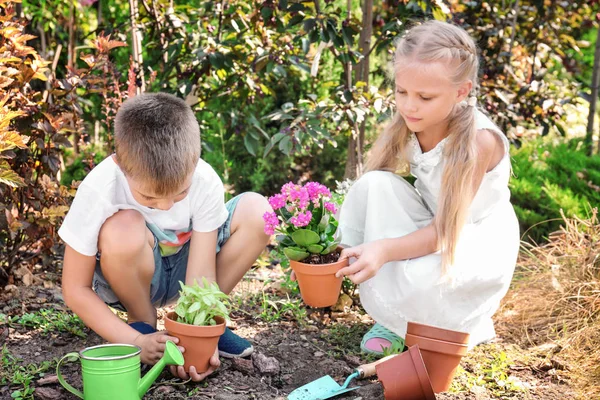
column 356, row 143
column 594, row 98
column 136, row 40
column 71, row 65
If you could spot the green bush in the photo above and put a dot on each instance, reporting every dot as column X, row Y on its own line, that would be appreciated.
column 548, row 177
column 82, row 164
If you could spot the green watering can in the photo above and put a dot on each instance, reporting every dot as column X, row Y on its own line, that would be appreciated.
column 112, row 371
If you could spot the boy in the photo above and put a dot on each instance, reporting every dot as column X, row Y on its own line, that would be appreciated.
column 149, row 216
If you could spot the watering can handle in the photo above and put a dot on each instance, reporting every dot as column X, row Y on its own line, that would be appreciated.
column 71, row 357
column 367, row 370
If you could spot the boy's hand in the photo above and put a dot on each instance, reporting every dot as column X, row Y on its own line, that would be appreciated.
column 196, row 377
column 153, row 346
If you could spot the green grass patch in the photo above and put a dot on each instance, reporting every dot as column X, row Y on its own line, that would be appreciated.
column 489, row 367
column 19, row 376
column 344, row 339
column 48, row 321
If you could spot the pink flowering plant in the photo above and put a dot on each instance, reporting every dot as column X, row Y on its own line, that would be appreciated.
column 304, row 220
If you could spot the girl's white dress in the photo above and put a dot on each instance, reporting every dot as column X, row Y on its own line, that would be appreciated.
column 383, row 205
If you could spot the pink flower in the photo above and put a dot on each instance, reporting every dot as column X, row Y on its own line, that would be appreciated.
column 315, row 190
column 330, row 207
column 271, row 222
column 288, row 188
column 277, row 201
column 87, row 2
column 302, row 219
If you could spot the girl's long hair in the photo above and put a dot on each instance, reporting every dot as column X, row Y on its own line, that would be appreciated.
column 435, row 41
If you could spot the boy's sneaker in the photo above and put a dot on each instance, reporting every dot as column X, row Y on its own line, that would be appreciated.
column 142, row 327
column 233, row 346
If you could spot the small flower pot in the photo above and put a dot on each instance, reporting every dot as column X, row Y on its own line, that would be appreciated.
column 441, row 359
column 200, row 342
column 404, row 377
column 318, row 285
column 434, row 332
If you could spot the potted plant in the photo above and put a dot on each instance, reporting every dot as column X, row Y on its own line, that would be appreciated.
column 306, row 227
column 198, row 321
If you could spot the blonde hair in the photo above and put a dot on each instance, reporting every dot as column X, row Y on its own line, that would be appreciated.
column 435, row 41
column 157, row 141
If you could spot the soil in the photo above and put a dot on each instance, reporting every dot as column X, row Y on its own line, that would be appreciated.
column 322, row 258
column 287, row 354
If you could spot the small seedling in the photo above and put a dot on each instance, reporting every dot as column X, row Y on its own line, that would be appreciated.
column 199, row 305
column 14, row 374
column 50, row 321
column 397, row 347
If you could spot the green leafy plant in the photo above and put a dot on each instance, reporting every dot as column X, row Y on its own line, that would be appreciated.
column 273, row 309
column 200, row 304
column 305, row 219
column 15, row 374
column 50, row 321
column 397, row 347
column 550, row 177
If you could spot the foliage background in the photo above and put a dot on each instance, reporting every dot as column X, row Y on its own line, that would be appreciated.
column 282, row 93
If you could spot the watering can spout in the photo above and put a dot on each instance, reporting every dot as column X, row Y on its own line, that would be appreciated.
column 172, row 356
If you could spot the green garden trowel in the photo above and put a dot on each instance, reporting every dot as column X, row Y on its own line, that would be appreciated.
column 326, row 387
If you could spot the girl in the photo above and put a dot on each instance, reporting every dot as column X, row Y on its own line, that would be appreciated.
column 442, row 252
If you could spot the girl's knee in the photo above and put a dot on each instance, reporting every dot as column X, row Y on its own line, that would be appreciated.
column 376, row 178
column 125, row 232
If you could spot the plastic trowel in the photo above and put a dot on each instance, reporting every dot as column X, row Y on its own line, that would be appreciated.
column 326, row 387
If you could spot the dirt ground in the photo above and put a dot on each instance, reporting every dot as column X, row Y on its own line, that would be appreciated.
column 287, row 354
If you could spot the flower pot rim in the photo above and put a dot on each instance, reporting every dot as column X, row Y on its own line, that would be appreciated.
column 438, row 333
column 194, row 330
column 438, row 346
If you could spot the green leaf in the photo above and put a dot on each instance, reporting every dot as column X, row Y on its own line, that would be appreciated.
column 296, row 19
column 294, row 253
column 200, row 319
column 193, row 308
column 309, row 24
column 331, row 226
column 266, row 12
column 305, row 237
column 9, row 177
column 331, row 247
column 285, row 145
column 348, row 33
column 251, row 144
column 285, row 240
column 315, row 248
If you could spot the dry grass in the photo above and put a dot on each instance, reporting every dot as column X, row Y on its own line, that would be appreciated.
column 556, row 299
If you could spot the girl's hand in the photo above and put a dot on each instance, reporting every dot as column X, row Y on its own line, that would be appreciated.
column 153, row 346
column 369, row 259
column 193, row 375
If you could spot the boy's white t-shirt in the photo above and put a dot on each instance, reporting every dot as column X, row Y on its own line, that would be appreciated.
column 105, row 190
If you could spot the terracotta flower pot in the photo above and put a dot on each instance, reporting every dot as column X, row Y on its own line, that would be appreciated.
column 434, row 332
column 404, row 377
column 318, row 285
column 200, row 342
column 441, row 359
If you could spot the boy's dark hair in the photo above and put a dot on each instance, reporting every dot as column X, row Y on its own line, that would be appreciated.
column 157, row 141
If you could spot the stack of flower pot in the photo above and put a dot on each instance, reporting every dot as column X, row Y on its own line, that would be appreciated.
column 441, row 349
